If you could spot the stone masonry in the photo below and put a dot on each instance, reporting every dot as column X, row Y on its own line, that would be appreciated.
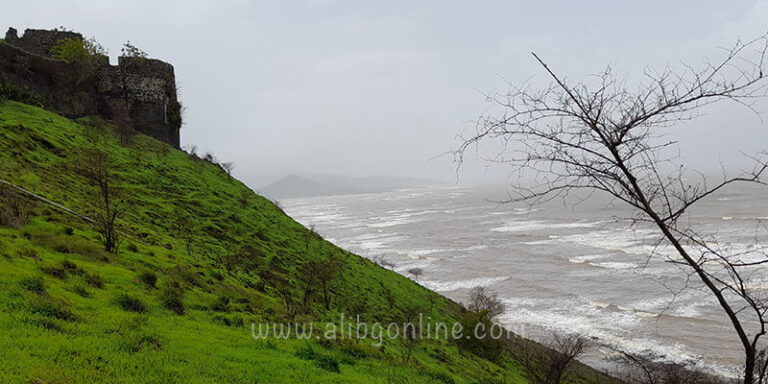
column 138, row 93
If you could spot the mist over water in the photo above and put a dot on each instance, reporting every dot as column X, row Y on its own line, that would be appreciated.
column 557, row 267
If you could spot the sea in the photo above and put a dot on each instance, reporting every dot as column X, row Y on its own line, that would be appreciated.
column 575, row 265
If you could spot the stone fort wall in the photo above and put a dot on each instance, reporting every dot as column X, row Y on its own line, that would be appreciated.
column 137, row 93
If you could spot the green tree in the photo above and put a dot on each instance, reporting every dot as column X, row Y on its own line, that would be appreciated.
column 85, row 55
column 130, row 50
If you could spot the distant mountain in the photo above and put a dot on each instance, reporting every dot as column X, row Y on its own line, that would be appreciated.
column 311, row 185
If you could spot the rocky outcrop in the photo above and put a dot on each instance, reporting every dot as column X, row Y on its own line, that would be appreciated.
column 137, row 93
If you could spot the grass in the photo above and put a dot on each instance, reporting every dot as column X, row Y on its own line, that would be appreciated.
column 168, row 308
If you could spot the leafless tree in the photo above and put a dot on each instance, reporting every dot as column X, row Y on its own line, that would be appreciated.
column 308, row 280
column 485, row 302
column 126, row 134
column 291, row 308
column 416, row 272
column 551, row 365
column 185, row 227
column 651, row 369
column 243, row 259
column 99, row 169
column 389, row 297
column 327, row 270
column 382, row 261
column 603, row 136
column 411, row 334
column 228, row 168
column 192, row 151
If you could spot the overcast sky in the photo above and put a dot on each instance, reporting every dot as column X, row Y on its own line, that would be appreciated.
column 363, row 88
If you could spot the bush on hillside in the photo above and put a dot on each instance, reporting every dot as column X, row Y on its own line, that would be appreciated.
column 94, row 280
column 149, row 279
column 24, row 95
column 15, row 209
column 33, row 284
column 130, row 303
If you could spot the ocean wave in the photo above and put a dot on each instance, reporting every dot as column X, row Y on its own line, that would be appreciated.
column 688, row 304
column 585, row 258
column 403, row 268
column 447, row 286
column 390, row 223
column 608, row 324
column 537, row 225
column 614, row 265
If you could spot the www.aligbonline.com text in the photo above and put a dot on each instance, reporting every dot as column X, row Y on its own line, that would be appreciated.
column 420, row 328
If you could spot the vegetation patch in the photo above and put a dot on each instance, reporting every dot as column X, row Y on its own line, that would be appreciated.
column 33, row 284
column 130, row 303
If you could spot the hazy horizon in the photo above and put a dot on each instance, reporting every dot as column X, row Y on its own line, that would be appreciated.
column 339, row 87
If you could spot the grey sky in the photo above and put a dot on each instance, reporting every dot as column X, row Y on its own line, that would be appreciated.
column 364, row 88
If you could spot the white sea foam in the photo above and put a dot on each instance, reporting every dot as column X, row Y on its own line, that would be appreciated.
column 596, row 320
column 537, row 242
column 447, row 286
column 688, row 304
column 612, row 250
column 404, row 268
column 614, row 265
column 390, row 223
column 585, row 258
column 537, row 225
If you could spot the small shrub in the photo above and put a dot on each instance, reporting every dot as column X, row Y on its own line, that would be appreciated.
column 130, row 50
column 221, row 304
column 327, row 363
column 133, row 248
column 172, row 299
column 133, row 342
column 33, row 284
column 355, row 351
column 219, row 319
column 94, row 280
column 81, row 291
column 24, row 95
column 61, row 249
column 306, row 352
column 70, row 245
column 71, row 268
column 57, row 272
column 48, row 307
column 15, row 209
column 45, row 323
column 488, row 348
column 69, row 231
column 184, row 274
column 130, row 303
column 149, row 279
column 217, row 275
column 441, row 377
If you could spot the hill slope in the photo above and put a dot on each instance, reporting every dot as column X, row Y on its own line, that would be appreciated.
column 202, row 258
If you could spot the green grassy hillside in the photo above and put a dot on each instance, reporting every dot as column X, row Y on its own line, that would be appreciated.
column 202, row 257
